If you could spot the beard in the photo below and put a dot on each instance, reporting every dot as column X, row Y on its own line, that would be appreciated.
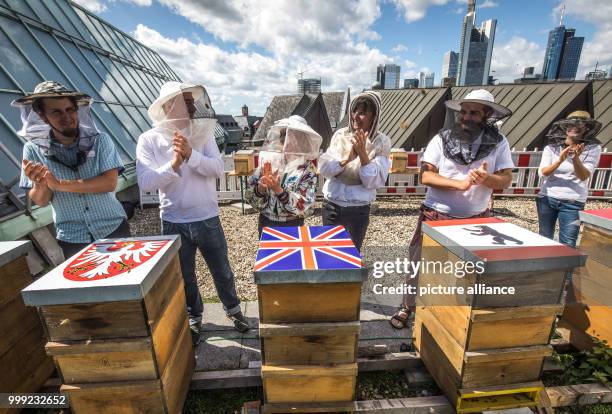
column 69, row 132
column 467, row 131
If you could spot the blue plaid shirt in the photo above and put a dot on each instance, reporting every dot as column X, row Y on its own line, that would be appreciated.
column 80, row 218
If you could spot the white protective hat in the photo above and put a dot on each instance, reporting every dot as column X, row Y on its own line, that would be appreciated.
column 483, row 97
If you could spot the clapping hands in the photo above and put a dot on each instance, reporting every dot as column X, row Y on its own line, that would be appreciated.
column 269, row 180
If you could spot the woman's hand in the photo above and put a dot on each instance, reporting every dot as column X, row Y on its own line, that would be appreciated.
column 565, row 153
column 359, row 145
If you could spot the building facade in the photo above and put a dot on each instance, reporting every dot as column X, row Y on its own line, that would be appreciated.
column 562, row 55
column 411, row 83
column 449, row 67
column 426, row 80
column 475, row 49
column 312, row 85
column 388, row 76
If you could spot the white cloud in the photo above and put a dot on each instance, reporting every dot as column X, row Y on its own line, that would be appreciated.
column 236, row 77
column 399, row 48
column 510, row 58
column 414, row 10
column 408, row 64
column 94, row 6
column 487, row 4
column 597, row 49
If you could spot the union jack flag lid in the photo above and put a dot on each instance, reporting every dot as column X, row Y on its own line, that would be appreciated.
column 307, row 254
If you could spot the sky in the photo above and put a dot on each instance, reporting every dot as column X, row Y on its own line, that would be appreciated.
column 247, row 51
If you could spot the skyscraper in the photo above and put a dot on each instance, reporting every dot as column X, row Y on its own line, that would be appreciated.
column 388, row 76
column 562, row 53
column 449, row 68
column 312, row 85
column 411, row 83
column 476, row 49
column 426, row 80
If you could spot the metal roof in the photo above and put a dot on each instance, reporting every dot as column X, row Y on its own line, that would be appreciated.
column 406, row 115
column 534, row 108
column 602, row 110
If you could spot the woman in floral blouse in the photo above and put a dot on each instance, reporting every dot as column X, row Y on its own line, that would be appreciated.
column 284, row 186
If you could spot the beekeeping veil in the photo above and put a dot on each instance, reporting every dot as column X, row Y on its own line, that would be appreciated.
column 184, row 108
column 458, row 135
column 37, row 130
column 377, row 144
column 586, row 128
column 290, row 143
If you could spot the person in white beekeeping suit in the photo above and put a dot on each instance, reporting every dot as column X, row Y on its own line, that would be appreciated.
column 284, row 186
column 179, row 157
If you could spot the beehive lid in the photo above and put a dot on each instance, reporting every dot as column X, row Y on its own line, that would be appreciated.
column 503, row 247
column 307, row 254
column 11, row 250
column 600, row 218
column 107, row 270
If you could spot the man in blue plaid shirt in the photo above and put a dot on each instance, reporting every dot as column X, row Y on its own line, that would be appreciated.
column 69, row 164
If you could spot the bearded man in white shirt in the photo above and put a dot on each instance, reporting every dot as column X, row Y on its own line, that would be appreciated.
column 179, row 157
column 462, row 165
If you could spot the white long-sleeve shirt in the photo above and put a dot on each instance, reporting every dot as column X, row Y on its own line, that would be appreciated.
column 373, row 175
column 189, row 195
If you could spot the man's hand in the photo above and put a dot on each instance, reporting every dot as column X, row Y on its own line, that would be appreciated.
column 181, row 144
column 52, row 182
column 465, row 185
column 177, row 160
column 479, row 175
column 35, row 171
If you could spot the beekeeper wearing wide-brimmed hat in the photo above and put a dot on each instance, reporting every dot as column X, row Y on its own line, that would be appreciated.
column 284, row 185
column 71, row 165
column 180, row 158
column 461, row 166
column 568, row 161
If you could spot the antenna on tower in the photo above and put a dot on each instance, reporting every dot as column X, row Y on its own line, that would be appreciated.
column 562, row 14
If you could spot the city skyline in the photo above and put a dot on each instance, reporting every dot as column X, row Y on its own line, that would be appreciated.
column 248, row 51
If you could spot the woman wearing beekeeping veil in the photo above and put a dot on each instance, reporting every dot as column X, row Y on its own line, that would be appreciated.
column 179, row 157
column 568, row 161
column 284, row 185
column 355, row 165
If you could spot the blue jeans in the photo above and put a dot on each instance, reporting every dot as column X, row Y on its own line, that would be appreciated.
column 566, row 211
column 208, row 237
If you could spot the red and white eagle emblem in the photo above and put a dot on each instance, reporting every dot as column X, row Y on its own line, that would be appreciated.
column 104, row 260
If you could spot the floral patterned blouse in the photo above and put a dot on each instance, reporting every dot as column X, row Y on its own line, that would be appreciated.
column 297, row 199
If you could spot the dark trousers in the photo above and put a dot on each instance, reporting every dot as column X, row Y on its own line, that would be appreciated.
column 70, row 249
column 206, row 236
column 266, row 222
column 354, row 219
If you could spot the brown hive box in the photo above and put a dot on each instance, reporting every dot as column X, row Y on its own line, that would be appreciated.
column 473, row 341
column 309, row 285
column 591, row 313
column 23, row 362
column 117, row 326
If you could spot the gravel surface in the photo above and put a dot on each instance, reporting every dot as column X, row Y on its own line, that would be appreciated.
column 392, row 223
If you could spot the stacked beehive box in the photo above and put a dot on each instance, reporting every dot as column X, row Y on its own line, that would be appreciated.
column 117, row 327
column 485, row 349
column 23, row 362
column 309, row 287
column 589, row 311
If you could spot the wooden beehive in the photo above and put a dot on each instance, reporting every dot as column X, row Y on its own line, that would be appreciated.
column 399, row 161
column 589, row 309
column 244, row 162
column 23, row 362
column 309, row 287
column 117, row 326
column 476, row 340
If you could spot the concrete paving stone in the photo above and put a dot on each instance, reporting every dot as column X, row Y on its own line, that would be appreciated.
column 250, row 351
column 219, row 351
column 383, row 330
column 371, row 310
column 214, row 318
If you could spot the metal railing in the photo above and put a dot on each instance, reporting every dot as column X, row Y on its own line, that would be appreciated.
column 525, row 179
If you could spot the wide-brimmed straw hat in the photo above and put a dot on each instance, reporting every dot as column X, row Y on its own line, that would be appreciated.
column 483, row 97
column 51, row 89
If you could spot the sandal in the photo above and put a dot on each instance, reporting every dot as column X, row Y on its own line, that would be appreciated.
column 401, row 316
column 240, row 322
